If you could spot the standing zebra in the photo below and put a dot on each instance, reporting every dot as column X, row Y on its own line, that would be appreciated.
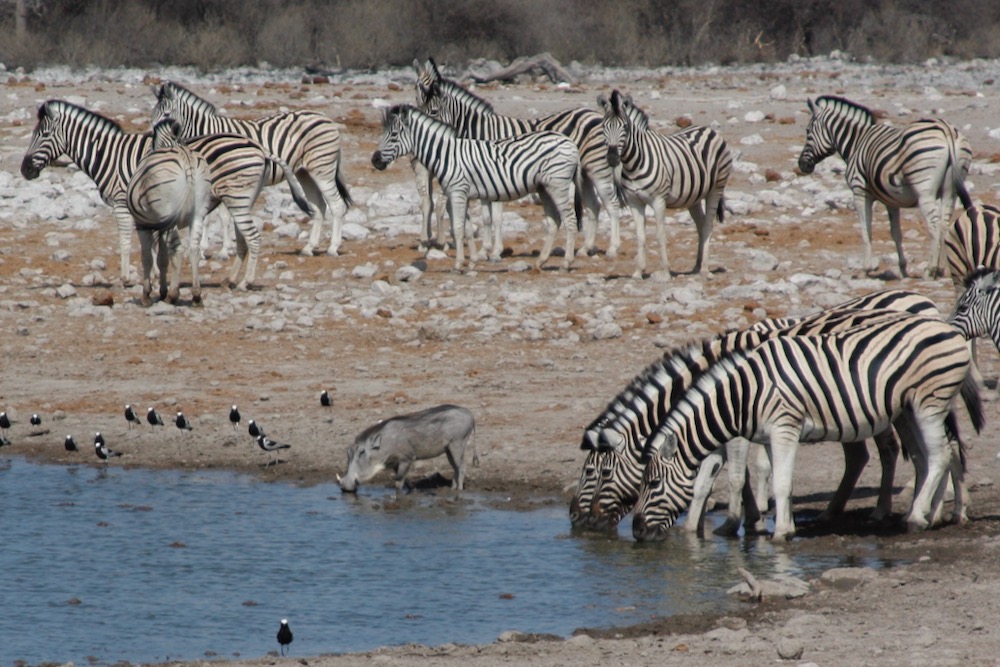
column 474, row 118
column 170, row 190
column 546, row 163
column 307, row 141
column 680, row 170
column 615, row 440
column 847, row 386
column 100, row 148
column 921, row 165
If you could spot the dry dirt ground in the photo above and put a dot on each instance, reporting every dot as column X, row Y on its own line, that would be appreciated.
column 532, row 394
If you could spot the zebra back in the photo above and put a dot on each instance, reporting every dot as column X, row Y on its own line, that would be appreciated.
column 841, row 386
column 973, row 241
column 96, row 144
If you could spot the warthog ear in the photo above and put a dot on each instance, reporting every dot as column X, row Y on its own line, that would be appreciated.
column 376, row 442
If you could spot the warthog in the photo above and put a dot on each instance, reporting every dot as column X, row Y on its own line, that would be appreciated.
column 398, row 442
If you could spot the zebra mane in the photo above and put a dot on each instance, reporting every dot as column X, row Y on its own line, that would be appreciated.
column 979, row 274
column 634, row 114
column 843, row 103
column 188, row 98
column 91, row 118
column 462, row 95
column 409, row 113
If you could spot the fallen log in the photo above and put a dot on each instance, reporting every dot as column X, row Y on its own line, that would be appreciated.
column 542, row 63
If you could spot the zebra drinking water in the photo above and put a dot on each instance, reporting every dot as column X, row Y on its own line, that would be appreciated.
column 307, row 141
column 615, row 440
column 901, row 371
column 680, row 170
column 475, row 118
column 923, row 164
column 546, row 163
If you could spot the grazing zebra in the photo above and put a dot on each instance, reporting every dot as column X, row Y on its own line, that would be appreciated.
column 680, row 170
column 100, row 148
column 170, row 190
column 619, row 433
column 546, row 163
column 474, row 118
column 307, row 141
column 902, row 371
column 923, row 164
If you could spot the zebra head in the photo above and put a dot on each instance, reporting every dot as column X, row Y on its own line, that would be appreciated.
column 666, row 490
column 396, row 139
column 48, row 140
column 175, row 101
column 618, row 112
column 977, row 311
column 832, row 125
column 579, row 507
column 166, row 133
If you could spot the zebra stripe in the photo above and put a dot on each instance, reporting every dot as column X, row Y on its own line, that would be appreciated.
column 100, row 148
column 307, row 141
column 904, row 370
column 546, row 163
column 680, row 170
column 977, row 311
column 170, row 190
column 973, row 241
column 923, row 164
column 474, row 118
column 634, row 414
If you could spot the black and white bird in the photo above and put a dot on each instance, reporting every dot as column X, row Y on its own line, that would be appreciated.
column 325, row 400
column 4, row 423
column 284, row 636
column 153, row 417
column 101, row 449
column 70, row 444
column 254, row 429
column 270, row 446
column 182, row 422
column 35, row 419
column 4, row 442
column 234, row 417
column 131, row 417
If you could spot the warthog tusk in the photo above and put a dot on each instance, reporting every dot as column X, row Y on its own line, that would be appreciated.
column 337, row 475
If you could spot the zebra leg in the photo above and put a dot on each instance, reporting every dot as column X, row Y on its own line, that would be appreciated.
column 700, row 220
column 558, row 206
column 639, row 218
column 703, row 482
column 226, row 226
column 125, row 224
column 592, row 207
column 163, row 244
column 937, row 455
column 855, row 459
column 146, row 242
column 763, row 462
column 197, row 230
column 888, row 453
column 175, row 258
column 659, row 211
column 737, row 452
column 863, row 207
column 784, row 446
column 425, row 188
column 897, row 237
column 935, row 218
column 251, row 250
column 458, row 203
column 318, row 195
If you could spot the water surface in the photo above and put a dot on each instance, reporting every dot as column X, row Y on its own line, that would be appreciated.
column 108, row 565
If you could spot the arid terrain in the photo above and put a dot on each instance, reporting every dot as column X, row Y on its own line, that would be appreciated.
column 535, row 355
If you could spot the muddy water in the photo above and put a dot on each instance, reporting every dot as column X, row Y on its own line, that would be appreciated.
column 108, row 565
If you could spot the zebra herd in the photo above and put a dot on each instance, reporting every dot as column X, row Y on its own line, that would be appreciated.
column 883, row 366
column 574, row 161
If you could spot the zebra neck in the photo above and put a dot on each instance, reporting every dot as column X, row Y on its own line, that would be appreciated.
column 98, row 154
column 432, row 145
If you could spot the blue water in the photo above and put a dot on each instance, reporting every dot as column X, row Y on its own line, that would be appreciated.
column 107, row 565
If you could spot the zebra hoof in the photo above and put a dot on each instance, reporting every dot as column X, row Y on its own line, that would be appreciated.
column 332, row 252
column 196, row 301
column 611, row 253
column 306, row 252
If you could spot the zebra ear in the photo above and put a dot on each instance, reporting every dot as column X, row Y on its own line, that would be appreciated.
column 417, row 66
column 669, row 446
column 990, row 280
column 809, row 103
column 602, row 101
column 434, row 68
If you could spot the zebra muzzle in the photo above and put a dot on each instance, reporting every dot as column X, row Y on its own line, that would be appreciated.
column 378, row 162
column 613, row 157
column 30, row 169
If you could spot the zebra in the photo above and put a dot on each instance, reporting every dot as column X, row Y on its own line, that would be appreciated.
column 902, row 371
column 680, row 170
column 170, row 189
column 475, row 118
column 546, row 163
column 309, row 142
column 973, row 241
column 977, row 310
column 619, row 433
column 238, row 168
column 923, row 164
column 100, row 148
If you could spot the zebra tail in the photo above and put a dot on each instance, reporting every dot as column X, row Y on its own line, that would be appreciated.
column 342, row 189
column 578, row 197
column 951, row 430
column 721, row 209
column 963, row 194
column 973, row 403
column 298, row 194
